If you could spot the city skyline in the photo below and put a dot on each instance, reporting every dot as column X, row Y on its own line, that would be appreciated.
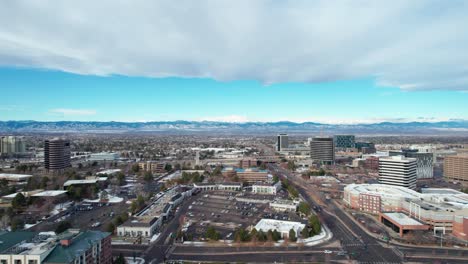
column 325, row 131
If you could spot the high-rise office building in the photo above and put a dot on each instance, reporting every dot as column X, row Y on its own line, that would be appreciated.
column 425, row 164
column 322, row 149
column 398, row 171
column 344, row 141
column 425, row 161
column 282, row 142
column 56, row 154
column 456, row 168
column 365, row 147
column 12, row 145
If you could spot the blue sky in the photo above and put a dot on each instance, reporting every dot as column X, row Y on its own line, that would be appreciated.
column 32, row 94
column 324, row 60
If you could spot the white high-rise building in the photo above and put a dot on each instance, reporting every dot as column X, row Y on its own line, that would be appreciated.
column 12, row 145
column 398, row 171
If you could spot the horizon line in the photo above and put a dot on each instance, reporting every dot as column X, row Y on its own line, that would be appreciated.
column 396, row 121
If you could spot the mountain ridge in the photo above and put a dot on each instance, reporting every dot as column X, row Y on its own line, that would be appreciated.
column 414, row 127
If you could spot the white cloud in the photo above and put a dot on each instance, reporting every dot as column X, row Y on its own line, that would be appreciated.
column 72, row 112
column 230, row 119
column 11, row 108
column 414, row 45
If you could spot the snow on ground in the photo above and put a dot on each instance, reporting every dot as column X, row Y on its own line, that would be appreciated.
column 60, row 207
column 154, row 237
column 324, row 235
column 27, row 226
column 111, row 199
column 131, row 260
column 120, row 242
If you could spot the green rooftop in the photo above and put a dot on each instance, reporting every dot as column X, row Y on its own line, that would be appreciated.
column 9, row 239
column 80, row 243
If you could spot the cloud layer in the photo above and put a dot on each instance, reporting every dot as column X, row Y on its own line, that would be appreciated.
column 414, row 45
column 72, row 112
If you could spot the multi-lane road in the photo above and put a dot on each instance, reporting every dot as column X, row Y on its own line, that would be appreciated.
column 359, row 245
column 366, row 247
column 351, row 238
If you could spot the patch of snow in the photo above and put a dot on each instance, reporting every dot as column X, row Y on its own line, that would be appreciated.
column 154, row 237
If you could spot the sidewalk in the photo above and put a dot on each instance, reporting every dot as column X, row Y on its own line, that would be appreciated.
column 395, row 243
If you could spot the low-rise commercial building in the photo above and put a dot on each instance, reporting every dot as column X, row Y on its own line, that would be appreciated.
column 251, row 175
column 401, row 223
column 282, row 227
column 283, row 206
column 227, row 186
column 104, row 156
column 140, row 227
column 247, row 163
column 147, row 222
column 440, row 209
column 152, row 166
column 88, row 181
column 15, row 177
column 266, row 188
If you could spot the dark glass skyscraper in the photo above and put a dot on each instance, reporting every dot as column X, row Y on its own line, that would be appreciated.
column 282, row 142
column 344, row 141
column 56, row 154
column 322, row 149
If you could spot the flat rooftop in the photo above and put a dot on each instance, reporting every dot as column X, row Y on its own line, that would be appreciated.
column 402, row 219
column 87, row 181
column 383, row 190
column 14, row 177
column 109, row 171
column 51, row 193
column 439, row 191
column 278, row 225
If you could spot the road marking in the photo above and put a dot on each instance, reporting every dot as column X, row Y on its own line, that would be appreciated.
column 246, row 252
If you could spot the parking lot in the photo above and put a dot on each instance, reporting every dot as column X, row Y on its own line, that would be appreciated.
column 85, row 216
column 222, row 211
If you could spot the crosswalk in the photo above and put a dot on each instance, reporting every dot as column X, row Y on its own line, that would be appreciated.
column 378, row 262
column 358, row 244
column 353, row 245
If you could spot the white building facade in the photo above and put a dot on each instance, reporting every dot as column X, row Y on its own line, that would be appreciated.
column 398, row 171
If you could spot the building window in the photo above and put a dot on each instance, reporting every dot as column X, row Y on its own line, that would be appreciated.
column 3, row 261
column 32, row 261
column 17, row 261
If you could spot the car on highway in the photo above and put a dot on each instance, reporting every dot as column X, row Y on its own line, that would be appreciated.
column 327, row 251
